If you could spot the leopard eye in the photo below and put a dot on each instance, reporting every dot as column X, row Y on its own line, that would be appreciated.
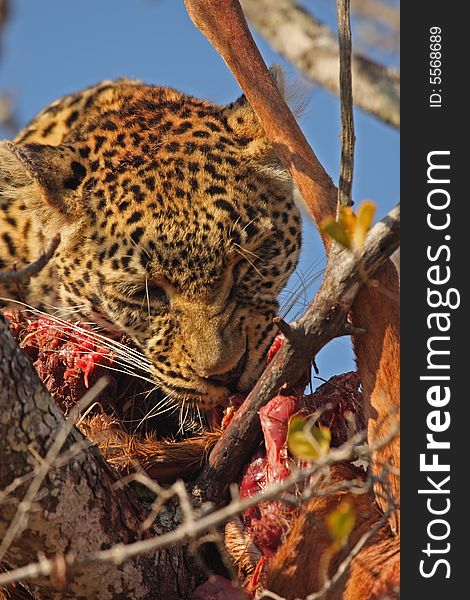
column 151, row 293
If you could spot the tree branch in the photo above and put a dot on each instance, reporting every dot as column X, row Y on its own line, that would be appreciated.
column 311, row 47
column 77, row 509
column 348, row 137
column 323, row 321
column 223, row 23
column 23, row 275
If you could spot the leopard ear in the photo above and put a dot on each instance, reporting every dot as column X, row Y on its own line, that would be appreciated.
column 241, row 117
column 256, row 149
column 46, row 177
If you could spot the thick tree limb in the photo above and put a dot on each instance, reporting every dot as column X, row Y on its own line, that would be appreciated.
column 19, row 522
column 78, row 509
column 311, row 47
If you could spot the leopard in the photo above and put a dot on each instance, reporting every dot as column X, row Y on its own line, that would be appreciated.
column 178, row 227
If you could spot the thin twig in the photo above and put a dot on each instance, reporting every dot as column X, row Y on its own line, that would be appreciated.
column 348, row 137
column 268, row 594
column 23, row 275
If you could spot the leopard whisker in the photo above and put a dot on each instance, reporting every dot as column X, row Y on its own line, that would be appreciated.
column 150, row 392
column 180, row 417
column 199, row 416
column 187, row 413
column 240, row 250
column 120, row 361
column 250, row 222
column 300, row 290
column 148, row 301
column 143, row 248
column 252, row 253
column 122, row 355
column 185, row 408
column 66, row 309
column 131, row 354
column 127, row 372
column 126, row 359
column 164, row 405
column 234, row 224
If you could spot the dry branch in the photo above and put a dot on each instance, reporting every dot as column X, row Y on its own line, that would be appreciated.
column 311, row 47
column 348, row 138
column 77, row 510
column 23, row 275
column 223, row 23
column 324, row 320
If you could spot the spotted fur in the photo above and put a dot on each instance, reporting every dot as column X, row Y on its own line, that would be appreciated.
column 177, row 226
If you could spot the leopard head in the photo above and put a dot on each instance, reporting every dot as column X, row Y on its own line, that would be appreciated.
column 178, row 227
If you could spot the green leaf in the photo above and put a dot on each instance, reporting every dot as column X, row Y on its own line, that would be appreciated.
column 307, row 443
column 350, row 230
column 365, row 216
column 340, row 523
column 336, row 231
column 347, row 219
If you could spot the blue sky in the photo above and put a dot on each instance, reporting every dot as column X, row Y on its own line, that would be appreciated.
column 53, row 47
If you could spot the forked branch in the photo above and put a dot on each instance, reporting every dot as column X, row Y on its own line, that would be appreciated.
column 324, row 320
column 375, row 309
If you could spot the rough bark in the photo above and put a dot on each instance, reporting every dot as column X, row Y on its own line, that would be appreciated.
column 311, row 47
column 78, row 509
